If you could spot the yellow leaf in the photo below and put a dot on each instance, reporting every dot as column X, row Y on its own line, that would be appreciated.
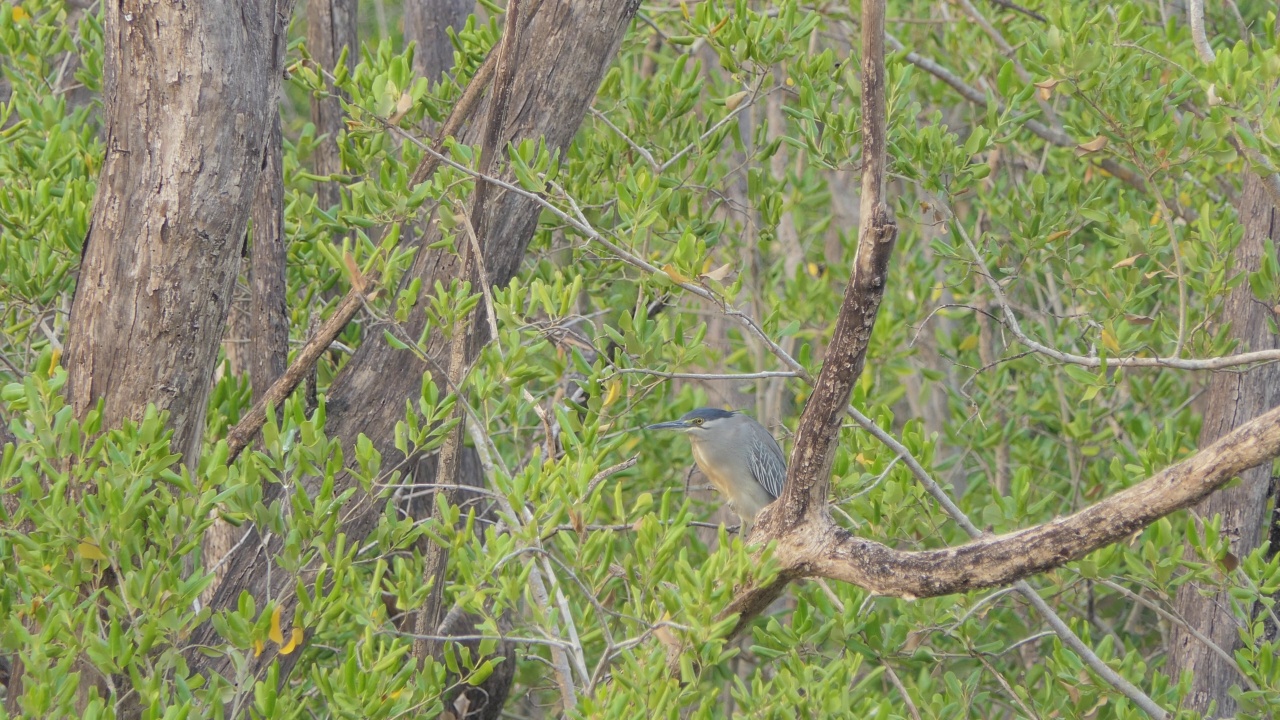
column 733, row 101
column 684, row 9
column 1092, row 146
column 20, row 13
column 969, row 343
column 1058, row 235
column 675, row 274
column 54, row 357
column 813, row 269
column 89, row 550
column 257, row 647
column 1127, row 262
column 275, row 633
column 295, row 639
column 615, row 389
column 1109, row 340
column 1045, row 90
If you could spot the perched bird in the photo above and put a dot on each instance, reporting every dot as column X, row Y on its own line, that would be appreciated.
column 742, row 460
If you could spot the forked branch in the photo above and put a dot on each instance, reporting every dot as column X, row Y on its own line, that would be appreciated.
column 810, row 544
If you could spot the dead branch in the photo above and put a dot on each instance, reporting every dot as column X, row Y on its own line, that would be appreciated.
column 247, row 429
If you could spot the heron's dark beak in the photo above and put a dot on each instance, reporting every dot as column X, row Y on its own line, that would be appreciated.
column 673, row 425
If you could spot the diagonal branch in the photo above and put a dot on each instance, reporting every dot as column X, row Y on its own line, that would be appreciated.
column 247, row 429
column 828, row 551
column 1053, row 136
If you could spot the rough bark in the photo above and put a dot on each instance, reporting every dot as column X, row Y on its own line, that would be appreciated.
column 460, row 355
column 268, row 252
column 808, row 473
column 258, row 331
column 331, row 26
column 567, row 50
column 187, row 94
column 188, row 97
column 820, row 548
column 810, row 544
column 426, row 22
column 1234, row 398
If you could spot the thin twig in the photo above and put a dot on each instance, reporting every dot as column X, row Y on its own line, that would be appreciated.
column 648, row 157
column 1044, row 132
column 609, row 472
column 485, row 288
column 1068, row 636
column 1011, row 321
column 1191, row 630
column 707, row 376
column 902, row 689
column 1018, row 8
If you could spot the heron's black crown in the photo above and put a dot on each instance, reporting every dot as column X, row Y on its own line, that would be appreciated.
column 707, row 414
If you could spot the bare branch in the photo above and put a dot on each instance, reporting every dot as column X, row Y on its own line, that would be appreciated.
column 1040, row 130
column 827, row 551
column 245, row 430
column 1011, row 322
column 808, row 474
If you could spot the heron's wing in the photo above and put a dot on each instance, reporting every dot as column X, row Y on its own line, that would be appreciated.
column 768, row 466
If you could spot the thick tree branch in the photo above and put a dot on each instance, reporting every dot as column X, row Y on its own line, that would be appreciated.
column 819, row 548
column 808, row 474
column 828, row 551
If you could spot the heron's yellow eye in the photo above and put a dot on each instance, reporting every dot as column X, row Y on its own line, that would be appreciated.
column 697, row 421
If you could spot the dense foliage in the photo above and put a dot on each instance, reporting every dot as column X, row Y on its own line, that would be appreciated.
column 723, row 153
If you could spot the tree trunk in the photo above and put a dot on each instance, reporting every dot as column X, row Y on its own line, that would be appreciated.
column 187, row 105
column 188, row 97
column 258, row 334
column 268, row 353
column 567, row 49
column 1234, row 398
column 331, row 26
column 426, row 23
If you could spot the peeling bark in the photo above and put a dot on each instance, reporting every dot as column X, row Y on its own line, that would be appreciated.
column 188, row 95
column 258, row 332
